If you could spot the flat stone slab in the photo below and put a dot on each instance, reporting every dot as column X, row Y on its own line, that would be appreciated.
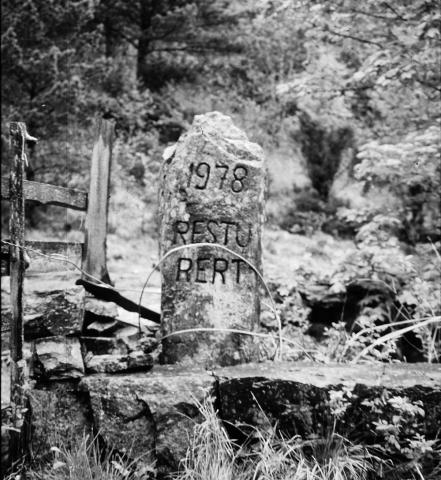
column 306, row 398
column 395, row 375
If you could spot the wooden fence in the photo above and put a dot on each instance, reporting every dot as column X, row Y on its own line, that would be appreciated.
column 92, row 252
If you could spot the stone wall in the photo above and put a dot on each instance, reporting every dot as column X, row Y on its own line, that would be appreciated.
column 154, row 413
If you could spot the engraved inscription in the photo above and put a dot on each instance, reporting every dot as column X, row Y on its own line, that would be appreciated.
column 202, row 171
column 210, row 270
column 200, row 174
column 240, row 174
column 224, row 232
column 224, row 173
column 211, row 210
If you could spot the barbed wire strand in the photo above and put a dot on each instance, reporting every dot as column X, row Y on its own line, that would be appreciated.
column 245, row 332
column 62, row 258
column 280, row 337
column 222, row 247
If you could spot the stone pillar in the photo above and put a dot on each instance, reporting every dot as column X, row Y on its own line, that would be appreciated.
column 212, row 191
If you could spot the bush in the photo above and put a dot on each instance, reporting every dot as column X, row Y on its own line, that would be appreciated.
column 411, row 169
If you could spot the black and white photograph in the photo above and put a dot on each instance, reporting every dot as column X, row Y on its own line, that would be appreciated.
column 220, row 240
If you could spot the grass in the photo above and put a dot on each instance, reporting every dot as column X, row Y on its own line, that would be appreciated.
column 86, row 461
column 212, row 455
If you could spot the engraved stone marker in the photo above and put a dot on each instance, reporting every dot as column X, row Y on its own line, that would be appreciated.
column 212, row 191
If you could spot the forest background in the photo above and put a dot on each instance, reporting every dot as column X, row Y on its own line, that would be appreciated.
column 344, row 98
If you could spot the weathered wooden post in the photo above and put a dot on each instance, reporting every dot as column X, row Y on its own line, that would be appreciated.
column 212, row 192
column 18, row 135
column 98, row 203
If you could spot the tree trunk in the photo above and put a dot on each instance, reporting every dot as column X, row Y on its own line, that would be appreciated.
column 146, row 10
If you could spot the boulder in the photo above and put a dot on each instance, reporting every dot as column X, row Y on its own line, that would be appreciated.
column 328, row 307
column 153, row 412
column 60, row 414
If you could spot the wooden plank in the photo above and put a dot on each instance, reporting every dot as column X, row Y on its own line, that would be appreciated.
column 98, row 207
column 16, row 231
column 47, row 194
column 5, row 380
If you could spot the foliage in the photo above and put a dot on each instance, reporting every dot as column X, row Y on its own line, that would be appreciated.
column 384, row 303
column 370, row 70
column 166, row 37
column 379, row 56
column 407, row 313
column 395, row 430
column 411, row 170
column 213, row 456
column 44, row 48
column 86, row 461
column 346, row 69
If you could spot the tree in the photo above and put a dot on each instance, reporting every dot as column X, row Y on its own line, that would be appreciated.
column 170, row 27
column 43, row 46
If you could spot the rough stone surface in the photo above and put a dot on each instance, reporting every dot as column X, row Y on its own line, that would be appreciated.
column 212, row 191
column 124, row 353
column 59, row 413
column 57, row 358
column 100, row 308
column 296, row 396
column 152, row 412
column 47, row 313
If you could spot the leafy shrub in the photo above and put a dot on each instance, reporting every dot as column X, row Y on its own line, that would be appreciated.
column 395, row 429
column 411, row 170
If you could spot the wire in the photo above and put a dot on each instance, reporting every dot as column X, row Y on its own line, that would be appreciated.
column 281, row 338
column 216, row 245
column 62, row 258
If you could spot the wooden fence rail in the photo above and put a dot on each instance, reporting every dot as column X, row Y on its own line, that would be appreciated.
column 90, row 256
column 47, row 194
